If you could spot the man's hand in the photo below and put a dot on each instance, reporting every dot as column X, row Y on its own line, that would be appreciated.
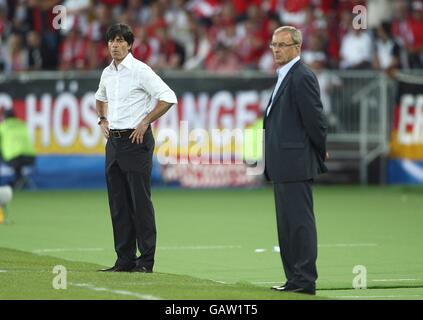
column 327, row 156
column 137, row 135
column 104, row 125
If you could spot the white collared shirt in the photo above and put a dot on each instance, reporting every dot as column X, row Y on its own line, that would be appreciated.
column 282, row 72
column 130, row 92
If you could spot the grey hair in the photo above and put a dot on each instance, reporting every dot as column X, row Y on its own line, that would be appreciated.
column 296, row 35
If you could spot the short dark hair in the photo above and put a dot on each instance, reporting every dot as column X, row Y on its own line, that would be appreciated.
column 120, row 30
column 386, row 26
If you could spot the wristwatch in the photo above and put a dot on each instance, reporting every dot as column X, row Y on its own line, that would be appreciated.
column 99, row 119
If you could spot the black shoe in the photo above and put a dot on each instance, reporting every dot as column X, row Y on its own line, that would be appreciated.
column 291, row 288
column 311, row 292
column 279, row 287
column 142, row 269
column 116, row 269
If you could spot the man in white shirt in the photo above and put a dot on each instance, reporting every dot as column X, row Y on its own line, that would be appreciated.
column 124, row 106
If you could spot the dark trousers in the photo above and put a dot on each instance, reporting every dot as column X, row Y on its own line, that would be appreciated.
column 18, row 164
column 297, row 232
column 128, row 174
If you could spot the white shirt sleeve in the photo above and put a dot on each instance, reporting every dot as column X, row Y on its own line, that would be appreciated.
column 101, row 91
column 156, row 87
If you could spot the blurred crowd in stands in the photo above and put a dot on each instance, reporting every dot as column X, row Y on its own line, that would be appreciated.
column 215, row 35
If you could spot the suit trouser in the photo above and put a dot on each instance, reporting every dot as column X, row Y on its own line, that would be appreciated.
column 128, row 175
column 297, row 232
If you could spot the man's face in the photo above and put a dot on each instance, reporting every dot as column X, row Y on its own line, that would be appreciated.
column 283, row 48
column 118, row 48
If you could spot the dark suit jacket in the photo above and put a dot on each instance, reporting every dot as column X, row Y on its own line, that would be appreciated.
column 295, row 129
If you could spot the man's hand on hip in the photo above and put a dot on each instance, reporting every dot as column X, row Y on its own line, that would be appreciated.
column 104, row 125
column 137, row 135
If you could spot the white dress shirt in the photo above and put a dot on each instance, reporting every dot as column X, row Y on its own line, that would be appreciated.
column 282, row 72
column 129, row 91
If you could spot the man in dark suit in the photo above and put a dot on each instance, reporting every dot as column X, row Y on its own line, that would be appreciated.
column 295, row 151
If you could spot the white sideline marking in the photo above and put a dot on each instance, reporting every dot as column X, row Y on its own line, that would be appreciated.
column 259, row 250
column 66, row 249
column 120, row 292
column 218, row 281
column 160, row 248
column 348, row 245
column 375, row 280
column 386, row 280
column 198, row 247
column 336, row 245
column 212, row 247
column 3, row 270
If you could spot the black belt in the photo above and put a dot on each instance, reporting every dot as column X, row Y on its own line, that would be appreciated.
column 115, row 133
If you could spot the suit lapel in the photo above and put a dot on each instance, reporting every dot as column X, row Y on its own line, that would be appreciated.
column 277, row 95
column 281, row 88
column 268, row 103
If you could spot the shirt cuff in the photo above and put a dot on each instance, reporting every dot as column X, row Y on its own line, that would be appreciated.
column 100, row 98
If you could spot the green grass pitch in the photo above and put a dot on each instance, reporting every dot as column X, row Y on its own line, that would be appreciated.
column 214, row 244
